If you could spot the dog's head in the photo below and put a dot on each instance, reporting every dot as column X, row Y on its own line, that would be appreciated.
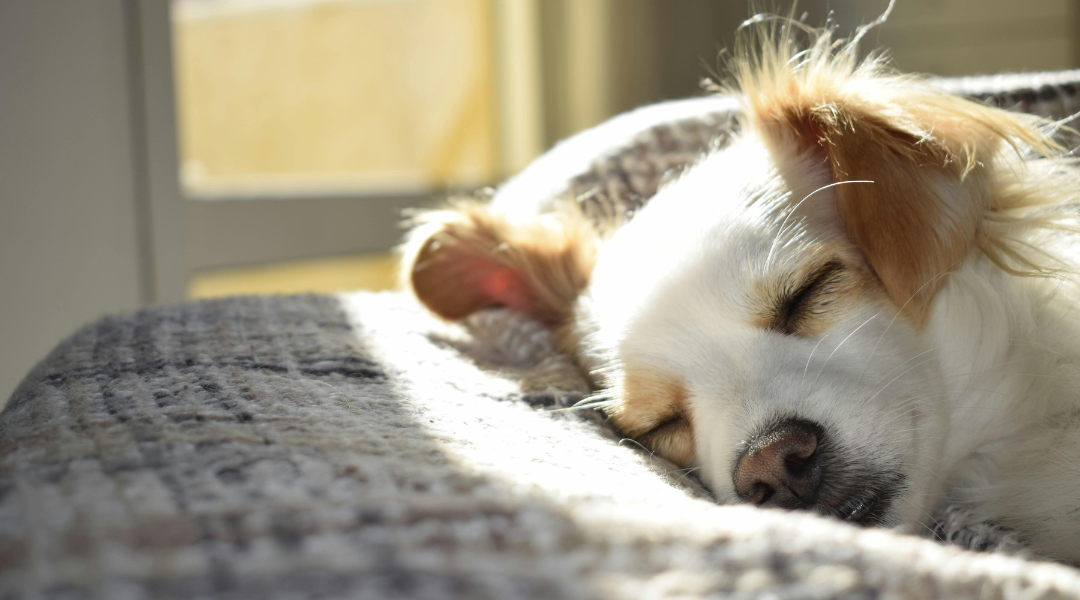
column 765, row 317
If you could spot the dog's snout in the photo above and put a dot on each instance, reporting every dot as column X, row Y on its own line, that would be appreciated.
column 781, row 467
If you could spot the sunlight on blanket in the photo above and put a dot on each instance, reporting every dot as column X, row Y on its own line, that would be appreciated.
column 602, row 489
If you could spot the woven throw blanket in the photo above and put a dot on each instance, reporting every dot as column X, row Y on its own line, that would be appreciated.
column 354, row 447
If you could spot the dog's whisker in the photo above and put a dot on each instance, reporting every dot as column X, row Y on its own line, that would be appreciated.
column 812, row 353
column 893, row 380
column 838, row 346
column 776, row 240
column 899, row 312
column 901, row 365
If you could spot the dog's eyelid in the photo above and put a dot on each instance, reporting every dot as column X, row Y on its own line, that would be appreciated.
column 793, row 308
column 675, row 424
column 672, row 438
column 676, row 419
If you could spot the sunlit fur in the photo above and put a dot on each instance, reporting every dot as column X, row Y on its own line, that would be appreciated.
column 537, row 266
column 944, row 354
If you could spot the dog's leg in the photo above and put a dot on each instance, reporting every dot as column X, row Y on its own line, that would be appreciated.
column 959, row 526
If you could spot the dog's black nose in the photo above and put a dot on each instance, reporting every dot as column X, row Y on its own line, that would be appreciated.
column 781, row 467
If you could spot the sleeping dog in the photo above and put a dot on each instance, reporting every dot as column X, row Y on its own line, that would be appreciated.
column 865, row 305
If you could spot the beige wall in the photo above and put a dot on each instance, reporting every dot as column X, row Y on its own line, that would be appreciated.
column 68, row 246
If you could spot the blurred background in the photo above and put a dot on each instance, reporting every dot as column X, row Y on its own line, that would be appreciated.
column 155, row 151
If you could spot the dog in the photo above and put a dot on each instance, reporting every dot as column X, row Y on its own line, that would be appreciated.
column 864, row 305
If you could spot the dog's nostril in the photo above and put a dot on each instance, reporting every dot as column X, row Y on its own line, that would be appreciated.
column 781, row 467
column 761, row 493
column 796, row 465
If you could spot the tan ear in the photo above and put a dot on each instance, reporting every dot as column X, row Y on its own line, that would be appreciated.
column 467, row 258
column 930, row 157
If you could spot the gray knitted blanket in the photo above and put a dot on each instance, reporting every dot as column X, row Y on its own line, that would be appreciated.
column 354, row 447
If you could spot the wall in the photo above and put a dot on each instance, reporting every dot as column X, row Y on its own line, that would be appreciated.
column 69, row 252
column 652, row 50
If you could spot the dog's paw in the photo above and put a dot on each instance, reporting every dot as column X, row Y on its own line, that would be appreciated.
column 960, row 527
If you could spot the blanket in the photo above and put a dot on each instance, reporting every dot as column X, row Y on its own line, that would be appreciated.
column 354, row 447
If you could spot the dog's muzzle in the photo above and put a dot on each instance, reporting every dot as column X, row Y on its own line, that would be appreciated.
column 791, row 466
column 781, row 467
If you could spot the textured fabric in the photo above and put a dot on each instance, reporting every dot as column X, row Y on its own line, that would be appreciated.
column 354, row 447
column 298, row 447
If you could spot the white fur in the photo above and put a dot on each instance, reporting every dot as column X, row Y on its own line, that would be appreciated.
column 981, row 406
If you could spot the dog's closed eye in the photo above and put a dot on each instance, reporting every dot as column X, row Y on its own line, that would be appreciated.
column 672, row 439
column 796, row 307
column 654, row 410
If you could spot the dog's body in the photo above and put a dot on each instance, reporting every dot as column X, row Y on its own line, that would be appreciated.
column 863, row 305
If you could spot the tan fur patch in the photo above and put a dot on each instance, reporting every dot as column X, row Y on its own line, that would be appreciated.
column 918, row 220
column 653, row 409
column 807, row 301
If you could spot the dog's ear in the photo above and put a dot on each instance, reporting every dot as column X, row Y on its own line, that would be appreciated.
column 920, row 215
column 930, row 156
column 467, row 258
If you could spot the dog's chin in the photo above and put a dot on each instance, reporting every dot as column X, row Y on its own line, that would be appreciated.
column 873, row 506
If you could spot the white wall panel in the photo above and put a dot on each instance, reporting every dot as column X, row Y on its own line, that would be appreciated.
column 68, row 246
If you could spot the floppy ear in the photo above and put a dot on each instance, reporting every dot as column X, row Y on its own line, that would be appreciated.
column 467, row 258
column 930, row 161
column 930, row 155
